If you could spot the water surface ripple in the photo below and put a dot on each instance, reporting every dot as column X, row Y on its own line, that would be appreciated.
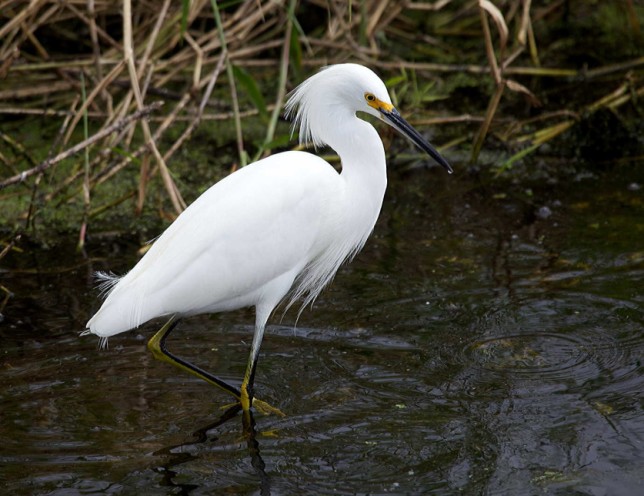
column 465, row 351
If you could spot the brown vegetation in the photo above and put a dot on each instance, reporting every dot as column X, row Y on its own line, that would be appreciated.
column 99, row 68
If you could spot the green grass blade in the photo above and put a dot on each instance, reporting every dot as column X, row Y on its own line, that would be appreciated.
column 247, row 82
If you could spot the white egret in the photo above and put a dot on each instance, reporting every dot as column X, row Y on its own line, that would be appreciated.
column 278, row 227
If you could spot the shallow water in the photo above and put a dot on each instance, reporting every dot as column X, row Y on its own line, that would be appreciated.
column 478, row 345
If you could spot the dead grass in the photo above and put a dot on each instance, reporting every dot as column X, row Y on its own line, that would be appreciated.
column 133, row 55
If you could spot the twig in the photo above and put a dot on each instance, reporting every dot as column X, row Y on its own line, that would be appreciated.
column 86, row 187
column 486, row 8
column 90, row 98
column 151, row 41
column 173, row 191
column 202, row 106
column 281, row 92
column 231, row 82
column 93, row 34
column 31, row 212
column 117, row 126
column 489, row 114
column 19, row 18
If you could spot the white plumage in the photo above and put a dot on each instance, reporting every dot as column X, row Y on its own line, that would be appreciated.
column 284, row 223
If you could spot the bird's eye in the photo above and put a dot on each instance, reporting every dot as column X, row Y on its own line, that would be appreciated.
column 370, row 97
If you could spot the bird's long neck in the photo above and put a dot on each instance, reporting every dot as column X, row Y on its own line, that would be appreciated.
column 354, row 207
column 364, row 173
column 362, row 155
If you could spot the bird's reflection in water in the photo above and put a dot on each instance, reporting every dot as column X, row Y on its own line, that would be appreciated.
column 178, row 454
column 256, row 460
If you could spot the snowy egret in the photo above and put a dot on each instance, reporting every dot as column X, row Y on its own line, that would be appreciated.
column 278, row 227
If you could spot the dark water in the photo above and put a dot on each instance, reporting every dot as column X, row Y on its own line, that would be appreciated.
column 480, row 344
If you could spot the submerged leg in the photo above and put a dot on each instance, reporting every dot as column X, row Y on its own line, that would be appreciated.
column 246, row 398
column 157, row 346
column 249, row 377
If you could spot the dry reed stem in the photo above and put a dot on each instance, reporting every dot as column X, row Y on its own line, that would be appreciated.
column 434, row 6
column 93, row 35
column 18, row 178
column 92, row 95
column 612, row 101
column 100, row 32
column 197, row 119
column 173, row 192
column 151, row 41
column 18, row 149
column 19, row 18
column 166, row 61
column 485, row 8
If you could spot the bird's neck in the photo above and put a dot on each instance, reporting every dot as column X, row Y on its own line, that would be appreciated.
column 362, row 155
column 364, row 174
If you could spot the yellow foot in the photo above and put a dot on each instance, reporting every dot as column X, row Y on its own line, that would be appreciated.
column 266, row 409
column 259, row 405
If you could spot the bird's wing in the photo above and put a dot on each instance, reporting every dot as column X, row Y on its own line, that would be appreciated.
column 255, row 225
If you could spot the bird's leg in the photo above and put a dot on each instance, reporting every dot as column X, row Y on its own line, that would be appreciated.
column 246, row 397
column 157, row 346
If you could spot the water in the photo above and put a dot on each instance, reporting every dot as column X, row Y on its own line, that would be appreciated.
column 478, row 345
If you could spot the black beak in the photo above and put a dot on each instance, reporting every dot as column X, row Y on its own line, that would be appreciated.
column 395, row 120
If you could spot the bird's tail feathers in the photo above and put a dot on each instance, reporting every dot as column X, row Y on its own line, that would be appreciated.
column 106, row 282
column 102, row 340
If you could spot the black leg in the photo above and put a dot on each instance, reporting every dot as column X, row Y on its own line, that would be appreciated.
column 158, row 348
column 245, row 397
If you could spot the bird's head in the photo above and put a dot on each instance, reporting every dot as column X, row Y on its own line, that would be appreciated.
column 351, row 88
